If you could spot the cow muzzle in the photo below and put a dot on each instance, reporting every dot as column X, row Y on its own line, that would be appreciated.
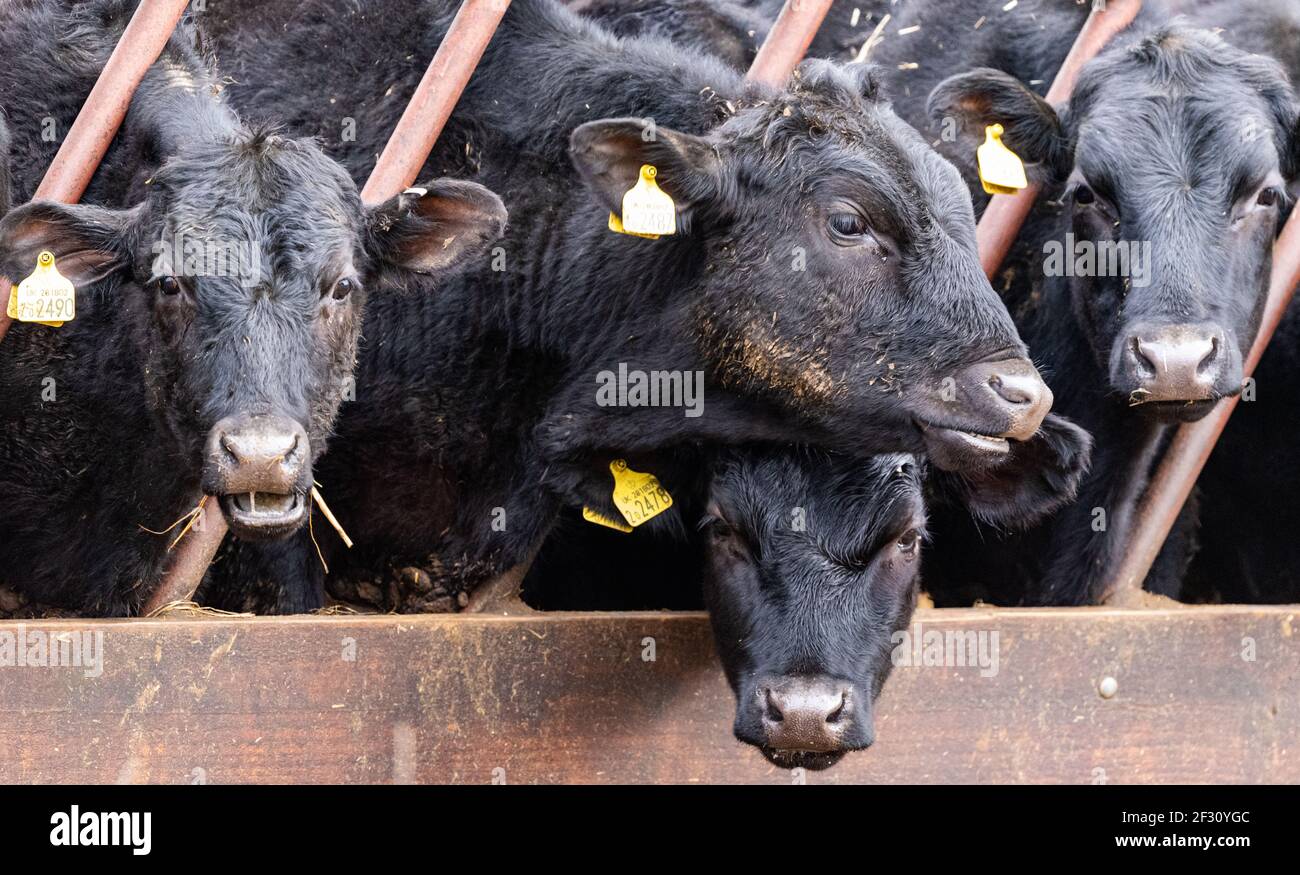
column 972, row 418
column 1176, row 371
column 259, row 467
column 811, row 722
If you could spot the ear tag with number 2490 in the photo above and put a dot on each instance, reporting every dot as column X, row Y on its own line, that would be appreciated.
column 46, row 297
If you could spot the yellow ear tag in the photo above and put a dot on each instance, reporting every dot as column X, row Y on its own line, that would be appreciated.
column 616, row 225
column 639, row 497
column 46, row 297
column 595, row 516
column 648, row 211
column 1001, row 170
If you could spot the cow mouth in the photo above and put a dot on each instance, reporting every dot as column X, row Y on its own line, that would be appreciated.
column 261, row 515
column 813, row 760
column 1176, row 411
column 954, row 449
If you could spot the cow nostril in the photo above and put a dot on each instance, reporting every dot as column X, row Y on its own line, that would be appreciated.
column 1021, row 391
column 1007, row 393
column 229, row 446
column 834, row 716
column 1145, row 364
column 1209, row 357
column 770, row 709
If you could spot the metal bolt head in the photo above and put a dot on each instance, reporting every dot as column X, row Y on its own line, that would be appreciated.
column 1108, row 687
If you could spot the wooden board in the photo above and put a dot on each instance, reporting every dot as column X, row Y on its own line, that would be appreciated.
column 571, row 698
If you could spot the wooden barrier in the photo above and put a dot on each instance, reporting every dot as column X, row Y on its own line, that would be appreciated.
column 1203, row 694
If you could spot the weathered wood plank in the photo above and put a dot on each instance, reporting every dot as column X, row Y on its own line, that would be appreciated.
column 569, row 698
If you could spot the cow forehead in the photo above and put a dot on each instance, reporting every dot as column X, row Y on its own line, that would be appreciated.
column 811, row 152
column 257, row 175
column 1177, row 85
column 1190, row 142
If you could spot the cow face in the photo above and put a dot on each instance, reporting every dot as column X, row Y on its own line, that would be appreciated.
column 840, row 279
column 243, row 272
column 1173, row 158
column 813, row 563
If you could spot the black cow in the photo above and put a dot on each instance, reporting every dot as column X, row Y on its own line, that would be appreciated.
column 735, row 29
column 1176, row 143
column 823, row 284
column 1248, row 492
column 1175, row 140
column 729, row 30
column 221, row 271
column 809, row 567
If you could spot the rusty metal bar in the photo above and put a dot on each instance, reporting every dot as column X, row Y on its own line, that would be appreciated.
column 434, row 99
column 101, row 115
column 193, row 555
column 1006, row 213
column 788, row 40
column 407, row 149
column 1192, row 444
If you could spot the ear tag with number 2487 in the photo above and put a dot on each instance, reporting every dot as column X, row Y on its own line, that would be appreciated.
column 648, row 210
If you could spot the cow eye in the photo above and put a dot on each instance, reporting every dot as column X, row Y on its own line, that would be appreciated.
column 343, row 288
column 848, row 225
column 1268, row 197
column 169, row 285
column 910, row 542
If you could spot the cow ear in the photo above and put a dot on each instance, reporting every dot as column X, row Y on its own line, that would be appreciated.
column 88, row 242
column 1042, row 475
column 435, row 225
column 610, row 153
column 974, row 100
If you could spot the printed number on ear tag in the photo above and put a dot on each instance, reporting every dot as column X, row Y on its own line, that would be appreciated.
column 46, row 297
column 639, row 497
column 595, row 516
column 648, row 210
column 1001, row 170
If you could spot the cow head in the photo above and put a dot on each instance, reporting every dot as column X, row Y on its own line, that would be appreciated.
column 1172, row 161
column 243, row 272
column 837, row 272
column 813, row 563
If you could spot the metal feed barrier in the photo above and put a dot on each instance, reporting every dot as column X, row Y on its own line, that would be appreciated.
column 449, row 698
